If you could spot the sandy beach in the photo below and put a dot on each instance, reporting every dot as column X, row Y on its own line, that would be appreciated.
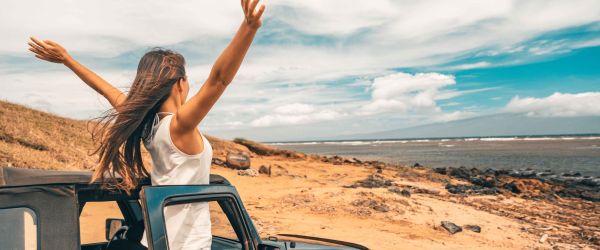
column 402, row 207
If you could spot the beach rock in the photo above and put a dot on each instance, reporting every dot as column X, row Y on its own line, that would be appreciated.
column 590, row 182
column 571, row 174
column 417, row 165
column 400, row 191
column 248, row 172
column 451, row 227
column 238, row 160
column 488, row 182
column 265, row 169
column 461, row 173
column 473, row 228
column 512, row 187
column 441, row 170
column 405, row 193
column 372, row 181
column 457, row 189
column 468, row 189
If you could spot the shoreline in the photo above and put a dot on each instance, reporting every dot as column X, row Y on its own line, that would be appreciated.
column 458, row 138
column 538, row 211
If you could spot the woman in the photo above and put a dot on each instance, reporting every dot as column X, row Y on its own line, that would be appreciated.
column 155, row 112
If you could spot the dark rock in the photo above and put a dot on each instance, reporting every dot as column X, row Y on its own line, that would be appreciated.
column 468, row 189
column 381, row 208
column 501, row 172
column 475, row 171
column 417, row 165
column 457, row 189
column 461, row 173
column 590, row 182
column 572, row 174
column 399, row 191
column 473, row 228
column 488, row 182
column 374, row 181
column 440, row 170
column 512, row 187
column 265, row 169
column 451, row 227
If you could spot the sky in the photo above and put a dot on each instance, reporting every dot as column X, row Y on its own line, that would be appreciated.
column 322, row 69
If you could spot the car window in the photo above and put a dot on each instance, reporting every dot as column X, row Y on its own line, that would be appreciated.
column 22, row 232
column 220, row 223
column 92, row 227
column 190, row 220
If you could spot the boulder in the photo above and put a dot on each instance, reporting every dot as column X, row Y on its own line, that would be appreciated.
column 440, row 170
column 238, row 160
column 473, row 228
column 265, row 169
column 451, row 227
column 488, row 182
column 374, row 181
column 461, row 173
column 248, row 172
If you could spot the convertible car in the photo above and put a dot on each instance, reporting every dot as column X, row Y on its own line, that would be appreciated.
column 44, row 209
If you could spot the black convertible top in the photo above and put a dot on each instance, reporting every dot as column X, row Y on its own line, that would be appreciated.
column 12, row 177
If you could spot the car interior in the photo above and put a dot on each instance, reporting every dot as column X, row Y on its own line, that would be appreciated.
column 127, row 232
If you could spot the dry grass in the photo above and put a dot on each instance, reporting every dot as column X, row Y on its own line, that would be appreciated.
column 34, row 139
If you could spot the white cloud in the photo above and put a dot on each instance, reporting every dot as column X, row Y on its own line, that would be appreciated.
column 108, row 28
column 402, row 92
column 471, row 65
column 296, row 113
column 557, row 105
column 453, row 116
column 59, row 91
column 302, row 51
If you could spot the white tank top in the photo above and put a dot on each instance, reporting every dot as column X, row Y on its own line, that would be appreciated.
column 188, row 225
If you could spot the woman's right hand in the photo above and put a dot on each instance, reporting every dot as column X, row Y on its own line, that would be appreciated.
column 48, row 51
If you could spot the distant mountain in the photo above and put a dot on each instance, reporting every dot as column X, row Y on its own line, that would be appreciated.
column 491, row 125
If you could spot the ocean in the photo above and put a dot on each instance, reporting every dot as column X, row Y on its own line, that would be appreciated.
column 557, row 153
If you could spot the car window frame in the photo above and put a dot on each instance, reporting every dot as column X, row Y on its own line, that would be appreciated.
column 158, row 197
column 37, row 220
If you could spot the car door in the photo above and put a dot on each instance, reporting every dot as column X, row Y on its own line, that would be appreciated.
column 155, row 199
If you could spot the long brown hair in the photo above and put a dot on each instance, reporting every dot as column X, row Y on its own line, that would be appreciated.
column 119, row 132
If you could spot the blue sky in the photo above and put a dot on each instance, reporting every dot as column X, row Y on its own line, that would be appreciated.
column 320, row 69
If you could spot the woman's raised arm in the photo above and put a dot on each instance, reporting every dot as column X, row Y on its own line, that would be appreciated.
column 223, row 71
column 51, row 51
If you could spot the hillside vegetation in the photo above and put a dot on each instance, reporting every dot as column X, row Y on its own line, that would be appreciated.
column 34, row 139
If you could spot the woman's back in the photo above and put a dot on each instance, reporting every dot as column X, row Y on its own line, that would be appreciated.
column 188, row 225
column 171, row 166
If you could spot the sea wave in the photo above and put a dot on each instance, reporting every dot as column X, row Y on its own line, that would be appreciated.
column 466, row 139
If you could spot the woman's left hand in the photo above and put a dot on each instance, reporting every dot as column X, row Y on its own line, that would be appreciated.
column 252, row 15
column 48, row 50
